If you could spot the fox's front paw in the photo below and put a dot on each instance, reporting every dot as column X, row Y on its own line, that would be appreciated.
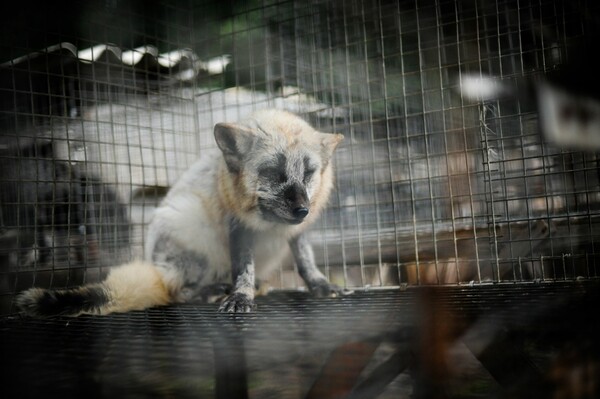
column 323, row 288
column 237, row 303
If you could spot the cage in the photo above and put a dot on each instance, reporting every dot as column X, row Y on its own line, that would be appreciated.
column 464, row 215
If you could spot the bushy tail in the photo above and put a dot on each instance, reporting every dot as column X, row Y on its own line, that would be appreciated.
column 133, row 286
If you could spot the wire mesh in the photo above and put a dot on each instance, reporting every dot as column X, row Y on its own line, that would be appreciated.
column 101, row 114
column 486, row 339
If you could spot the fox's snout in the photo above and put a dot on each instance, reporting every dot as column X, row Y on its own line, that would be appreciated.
column 297, row 201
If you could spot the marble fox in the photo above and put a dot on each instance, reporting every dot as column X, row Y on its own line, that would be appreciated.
column 232, row 217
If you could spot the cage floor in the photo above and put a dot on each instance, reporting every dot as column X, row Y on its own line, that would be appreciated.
column 517, row 340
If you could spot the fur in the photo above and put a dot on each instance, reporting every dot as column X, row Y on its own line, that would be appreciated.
column 232, row 217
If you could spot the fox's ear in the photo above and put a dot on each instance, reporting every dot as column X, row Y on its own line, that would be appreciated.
column 235, row 141
column 329, row 143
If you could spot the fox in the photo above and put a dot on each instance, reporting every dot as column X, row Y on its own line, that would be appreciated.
column 228, row 222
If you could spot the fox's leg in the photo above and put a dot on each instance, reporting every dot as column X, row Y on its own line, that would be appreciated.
column 316, row 282
column 241, row 299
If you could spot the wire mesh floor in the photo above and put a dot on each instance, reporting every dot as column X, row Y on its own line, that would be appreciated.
column 517, row 340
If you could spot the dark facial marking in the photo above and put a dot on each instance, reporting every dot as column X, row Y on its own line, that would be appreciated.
column 274, row 170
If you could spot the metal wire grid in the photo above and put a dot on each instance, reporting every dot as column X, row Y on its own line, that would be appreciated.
column 432, row 187
column 444, row 182
column 78, row 131
column 488, row 335
column 419, row 181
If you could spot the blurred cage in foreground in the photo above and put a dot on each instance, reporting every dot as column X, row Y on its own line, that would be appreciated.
column 104, row 105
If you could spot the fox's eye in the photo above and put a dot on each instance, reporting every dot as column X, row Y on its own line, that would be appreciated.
column 273, row 174
column 308, row 173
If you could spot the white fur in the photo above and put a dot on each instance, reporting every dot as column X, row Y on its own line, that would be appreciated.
column 195, row 212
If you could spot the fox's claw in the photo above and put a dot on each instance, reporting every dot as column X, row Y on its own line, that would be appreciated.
column 237, row 303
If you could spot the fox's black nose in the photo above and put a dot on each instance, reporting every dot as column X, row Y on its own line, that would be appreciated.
column 300, row 212
column 296, row 200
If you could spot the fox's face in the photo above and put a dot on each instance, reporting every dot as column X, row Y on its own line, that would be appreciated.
column 279, row 165
column 285, row 184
